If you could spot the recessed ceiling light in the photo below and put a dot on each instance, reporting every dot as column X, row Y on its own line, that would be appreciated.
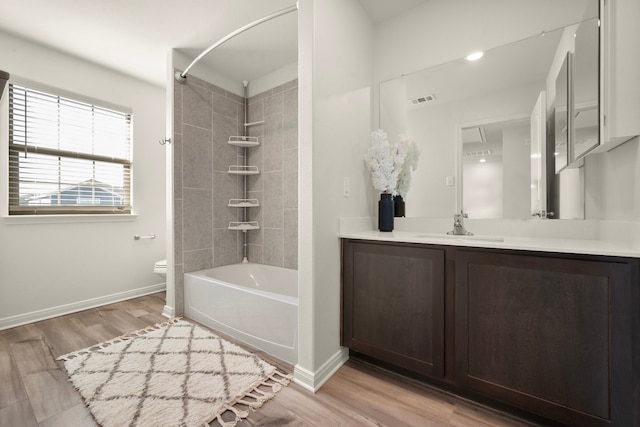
column 483, row 160
column 475, row 56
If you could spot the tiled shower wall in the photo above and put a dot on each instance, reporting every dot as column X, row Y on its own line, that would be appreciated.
column 204, row 118
column 276, row 243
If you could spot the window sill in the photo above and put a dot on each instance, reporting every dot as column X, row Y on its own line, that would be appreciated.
column 61, row 219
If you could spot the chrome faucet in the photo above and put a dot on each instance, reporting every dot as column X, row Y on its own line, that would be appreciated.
column 458, row 225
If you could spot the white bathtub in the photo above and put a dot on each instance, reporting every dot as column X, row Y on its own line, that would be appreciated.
column 254, row 303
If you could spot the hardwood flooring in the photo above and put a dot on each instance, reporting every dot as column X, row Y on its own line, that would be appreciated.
column 34, row 390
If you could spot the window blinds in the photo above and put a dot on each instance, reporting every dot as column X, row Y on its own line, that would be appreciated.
column 67, row 156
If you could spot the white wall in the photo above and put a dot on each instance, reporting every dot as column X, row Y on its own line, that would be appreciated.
column 620, row 185
column 335, row 77
column 47, row 267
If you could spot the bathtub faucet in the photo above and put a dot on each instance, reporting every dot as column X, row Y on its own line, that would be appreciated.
column 458, row 225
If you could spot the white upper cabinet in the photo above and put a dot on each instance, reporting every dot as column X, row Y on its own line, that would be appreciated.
column 620, row 75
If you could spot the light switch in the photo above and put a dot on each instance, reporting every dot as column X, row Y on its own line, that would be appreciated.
column 346, row 187
column 449, row 181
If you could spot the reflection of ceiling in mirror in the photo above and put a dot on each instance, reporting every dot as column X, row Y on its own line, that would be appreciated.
column 501, row 69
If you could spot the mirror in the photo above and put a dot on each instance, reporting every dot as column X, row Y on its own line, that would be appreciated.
column 562, row 121
column 484, row 128
column 586, row 88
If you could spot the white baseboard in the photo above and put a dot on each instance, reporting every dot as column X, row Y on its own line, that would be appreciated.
column 61, row 310
column 312, row 381
column 168, row 312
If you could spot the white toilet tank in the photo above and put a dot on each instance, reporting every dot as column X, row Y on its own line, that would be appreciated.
column 160, row 268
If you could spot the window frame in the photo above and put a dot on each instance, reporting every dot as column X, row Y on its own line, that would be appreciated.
column 12, row 209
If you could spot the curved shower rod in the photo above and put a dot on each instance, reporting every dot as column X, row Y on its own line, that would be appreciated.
column 182, row 76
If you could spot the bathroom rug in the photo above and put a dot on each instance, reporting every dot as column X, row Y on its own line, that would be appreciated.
column 172, row 374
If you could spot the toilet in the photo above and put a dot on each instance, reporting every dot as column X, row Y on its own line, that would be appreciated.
column 160, row 268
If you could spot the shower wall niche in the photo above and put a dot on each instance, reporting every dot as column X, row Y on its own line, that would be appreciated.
column 205, row 116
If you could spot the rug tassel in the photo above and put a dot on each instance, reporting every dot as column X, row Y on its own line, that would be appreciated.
column 223, row 423
column 240, row 415
column 268, row 395
column 252, row 405
column 284, row 379
column 259, row 400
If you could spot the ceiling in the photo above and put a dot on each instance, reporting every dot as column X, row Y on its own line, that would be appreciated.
column 134, row 37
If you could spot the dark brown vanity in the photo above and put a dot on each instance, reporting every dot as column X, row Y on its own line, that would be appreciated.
column 556, row 335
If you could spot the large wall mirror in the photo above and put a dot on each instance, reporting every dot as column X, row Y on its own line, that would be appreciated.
column 503, row 121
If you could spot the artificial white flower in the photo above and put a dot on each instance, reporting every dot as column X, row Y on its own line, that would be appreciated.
column 387, row 162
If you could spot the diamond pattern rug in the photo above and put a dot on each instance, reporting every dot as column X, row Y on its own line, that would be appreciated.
column 173, row 374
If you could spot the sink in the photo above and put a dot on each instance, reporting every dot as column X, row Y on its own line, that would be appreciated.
column 459, row 238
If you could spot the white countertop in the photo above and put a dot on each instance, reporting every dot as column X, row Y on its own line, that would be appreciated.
column 565, row 245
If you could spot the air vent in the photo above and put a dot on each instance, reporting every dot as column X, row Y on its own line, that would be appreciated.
column 477, row 153
column 422, row 99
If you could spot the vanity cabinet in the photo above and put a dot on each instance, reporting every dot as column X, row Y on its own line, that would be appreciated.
column 555, row 335
column 551, row 335
column 393, row 304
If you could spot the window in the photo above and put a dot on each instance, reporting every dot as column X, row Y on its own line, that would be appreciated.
column 67, row 156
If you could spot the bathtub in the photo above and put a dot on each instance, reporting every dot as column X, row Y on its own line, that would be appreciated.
column 254, row 303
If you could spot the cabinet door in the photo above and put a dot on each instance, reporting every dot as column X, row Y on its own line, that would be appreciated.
column 393, row 304
column 620, row 61
column 547, row 334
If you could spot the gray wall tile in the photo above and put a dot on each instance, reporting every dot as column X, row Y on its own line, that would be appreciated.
column 224, row 154
column 273, row 104
column 197, row 155
column 196, row 105
column 177, row 108
column 177, row 231
column 197, row 219
column 255, row 254
column 273, row 247
column 272, row 206
column 179, row 290
column 290, row 119
column 225, row 247
column 290, row 179
column 290, row 241
column 176, row 146
column 272, row 143
column 197, row 260
column 225, row 106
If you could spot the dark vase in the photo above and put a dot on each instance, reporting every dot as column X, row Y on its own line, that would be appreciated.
column 385, row 212
column 398, row 204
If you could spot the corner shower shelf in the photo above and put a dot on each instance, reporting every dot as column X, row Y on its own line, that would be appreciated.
column 243, row 170
column 244, row 141
column 243, row 203
column 243, row 226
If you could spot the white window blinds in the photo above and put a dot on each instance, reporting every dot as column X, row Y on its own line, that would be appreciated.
column 67, row 156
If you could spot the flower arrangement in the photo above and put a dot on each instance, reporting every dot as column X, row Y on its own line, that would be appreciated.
column 391, row 164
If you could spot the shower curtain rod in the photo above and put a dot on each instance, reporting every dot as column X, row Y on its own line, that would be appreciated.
column 182, row 76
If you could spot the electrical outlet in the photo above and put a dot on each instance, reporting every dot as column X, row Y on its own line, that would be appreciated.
column 346, row 187
column 449, row 181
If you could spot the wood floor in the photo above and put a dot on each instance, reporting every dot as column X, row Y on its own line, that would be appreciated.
column 34, row 390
